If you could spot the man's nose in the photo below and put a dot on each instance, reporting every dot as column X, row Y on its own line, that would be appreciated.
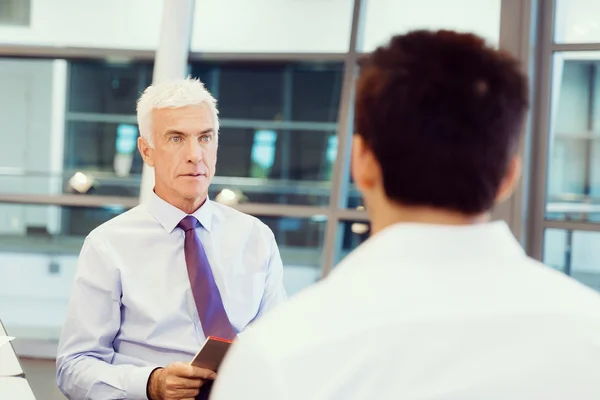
column 194, row 152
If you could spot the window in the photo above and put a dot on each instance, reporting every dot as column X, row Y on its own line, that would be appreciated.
column 574, row 159
column 568, row 240
column 278, row 129
column 575, row 253
column 106, row 88
column 354, row 234
column 101, row 126
column 300, row 242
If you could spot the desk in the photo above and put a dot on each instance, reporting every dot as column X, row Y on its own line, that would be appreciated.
column 13, row 384
column 9, row 362
column 15, row 389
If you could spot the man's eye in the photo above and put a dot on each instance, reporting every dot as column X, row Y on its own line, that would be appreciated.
column 206, row 138
column 175, row 139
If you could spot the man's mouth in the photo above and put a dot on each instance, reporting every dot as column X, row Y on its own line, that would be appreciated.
column 194, row 175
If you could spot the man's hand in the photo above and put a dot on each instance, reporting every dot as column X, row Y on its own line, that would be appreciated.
column 178, row 381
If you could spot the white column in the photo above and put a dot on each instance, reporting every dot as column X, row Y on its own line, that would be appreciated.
column 171, row 59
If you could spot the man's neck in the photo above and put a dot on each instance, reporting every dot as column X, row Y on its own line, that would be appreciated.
column 188, row 206
column 388, row 214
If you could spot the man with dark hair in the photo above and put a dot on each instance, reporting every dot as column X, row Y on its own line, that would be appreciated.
column 439, row 303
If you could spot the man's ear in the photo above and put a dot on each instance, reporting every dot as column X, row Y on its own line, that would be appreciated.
column 146, row 151
column 510, row 180
column 364, row 166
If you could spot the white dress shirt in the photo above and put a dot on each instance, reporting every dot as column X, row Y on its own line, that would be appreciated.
column 132, row 308
column 426, row 312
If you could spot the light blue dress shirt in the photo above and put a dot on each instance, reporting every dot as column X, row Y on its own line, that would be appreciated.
column 132, row 310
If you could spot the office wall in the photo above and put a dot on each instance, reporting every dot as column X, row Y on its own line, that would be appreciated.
column 577, row 21
column 288, row 26
column 385, row 18
column 130, row 24
column 34, row 299
column 263, row 26
column 219, row 25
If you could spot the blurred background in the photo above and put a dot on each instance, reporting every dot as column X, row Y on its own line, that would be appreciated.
column 283, row 73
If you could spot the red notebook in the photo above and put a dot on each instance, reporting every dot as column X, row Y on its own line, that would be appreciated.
column 212, row 353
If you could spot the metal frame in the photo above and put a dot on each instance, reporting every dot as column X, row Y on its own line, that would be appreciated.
column 541, row 127
column 274, row 57
column 149, row 55
column 224, row 123
column 559, row 47
column 515, row 37
column 341, row 169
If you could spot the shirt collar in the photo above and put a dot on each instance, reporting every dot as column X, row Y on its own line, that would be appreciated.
column 169, row 216
column 438, row 244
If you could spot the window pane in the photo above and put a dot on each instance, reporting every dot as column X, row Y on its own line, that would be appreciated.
column 354, row 197
column 274, row 91
column 300, row 243
column 32, row 139
column 99, row 87
column 39, row 246
column 248, row 91
column 354, row 234
column 278, row 129
column 275, row 166
column 574, row 159
column 575, row 253
column 576, row 21
column 316, row 92
column 385, row 18
column 106, row 153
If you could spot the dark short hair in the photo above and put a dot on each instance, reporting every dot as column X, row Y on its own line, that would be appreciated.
column 442, row 113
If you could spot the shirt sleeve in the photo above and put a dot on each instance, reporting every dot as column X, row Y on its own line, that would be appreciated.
column 85, row 350
column 274, row 293
column 248, row 374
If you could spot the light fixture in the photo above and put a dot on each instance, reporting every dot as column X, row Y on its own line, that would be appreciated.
column 359, row 228
column 227, row 197
column 80, row 182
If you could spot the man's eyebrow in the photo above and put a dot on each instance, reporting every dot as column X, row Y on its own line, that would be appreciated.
column 174, row 132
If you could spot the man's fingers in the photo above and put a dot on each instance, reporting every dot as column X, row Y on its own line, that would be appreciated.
column 202, row 373
column 189, row 371
column 185, row 394
column 177, row 383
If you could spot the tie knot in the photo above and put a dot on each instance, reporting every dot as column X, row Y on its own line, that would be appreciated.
column 188, row 223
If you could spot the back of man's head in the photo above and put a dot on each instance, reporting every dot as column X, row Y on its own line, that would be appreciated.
column 442, row 114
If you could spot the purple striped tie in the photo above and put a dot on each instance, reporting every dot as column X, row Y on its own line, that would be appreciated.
column 206, row 293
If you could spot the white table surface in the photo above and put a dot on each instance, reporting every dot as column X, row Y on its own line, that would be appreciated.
column 9, row 362
column 15, row 389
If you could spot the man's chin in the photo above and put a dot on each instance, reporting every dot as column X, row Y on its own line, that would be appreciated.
column 196, row 194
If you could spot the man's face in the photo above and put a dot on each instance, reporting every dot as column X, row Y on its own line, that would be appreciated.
column 184, row 154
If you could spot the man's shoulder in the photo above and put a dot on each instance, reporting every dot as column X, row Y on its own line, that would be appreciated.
column 238, row 218
column 134, row 218
column 568, row 294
